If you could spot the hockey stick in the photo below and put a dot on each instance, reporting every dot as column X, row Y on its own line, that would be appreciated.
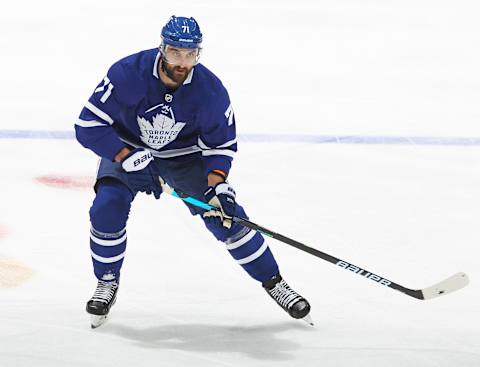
column 449, row 285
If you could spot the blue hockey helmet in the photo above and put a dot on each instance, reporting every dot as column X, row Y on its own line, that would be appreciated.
column 182, row 32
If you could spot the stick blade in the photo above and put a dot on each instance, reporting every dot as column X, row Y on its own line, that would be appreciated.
column 449, row 285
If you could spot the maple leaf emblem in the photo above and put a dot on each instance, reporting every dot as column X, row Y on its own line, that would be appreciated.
column 160, row 132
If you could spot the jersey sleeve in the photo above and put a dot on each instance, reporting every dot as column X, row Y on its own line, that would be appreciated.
column 95, row 127
column 218, row 139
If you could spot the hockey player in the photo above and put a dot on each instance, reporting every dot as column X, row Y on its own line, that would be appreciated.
column 160, row 113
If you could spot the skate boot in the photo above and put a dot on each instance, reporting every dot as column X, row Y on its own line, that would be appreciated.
column 103, row 299
column 293, row 303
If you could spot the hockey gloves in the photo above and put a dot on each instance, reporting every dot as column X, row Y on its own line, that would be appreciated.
column 140, row 174
column 222, row 196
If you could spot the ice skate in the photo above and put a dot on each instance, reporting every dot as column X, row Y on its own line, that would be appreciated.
column 293, row 303
column 103, row 299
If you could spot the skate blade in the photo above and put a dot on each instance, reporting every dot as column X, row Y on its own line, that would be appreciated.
column 96, row 321
column 308, row 320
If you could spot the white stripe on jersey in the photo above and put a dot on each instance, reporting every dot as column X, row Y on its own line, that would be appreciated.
column 91, row 123
column 204, row 146
column 227, row 152
column 176, row 152
column 189, row 77
column 167, row 153
column 92, row 108
column 228, row 143
column 184, row 151
column 155, row 65
column 154, row 107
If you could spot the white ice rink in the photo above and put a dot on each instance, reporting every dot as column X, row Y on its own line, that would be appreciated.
column 297, row 72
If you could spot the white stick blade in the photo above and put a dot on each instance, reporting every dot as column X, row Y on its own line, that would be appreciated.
column 449, row 285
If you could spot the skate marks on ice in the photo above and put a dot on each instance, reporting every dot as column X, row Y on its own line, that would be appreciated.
column 13, row 273
column 267, row 343
column 66, row 182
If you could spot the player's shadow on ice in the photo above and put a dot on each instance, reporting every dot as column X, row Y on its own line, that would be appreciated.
column 259, row 342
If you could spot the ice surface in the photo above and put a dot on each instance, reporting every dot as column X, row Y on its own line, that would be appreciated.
column 408, row 212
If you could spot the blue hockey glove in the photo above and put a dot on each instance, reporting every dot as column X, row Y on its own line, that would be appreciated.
column 222, row 196
column 140, row 174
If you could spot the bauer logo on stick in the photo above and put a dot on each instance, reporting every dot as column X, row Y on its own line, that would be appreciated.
column 362, row 272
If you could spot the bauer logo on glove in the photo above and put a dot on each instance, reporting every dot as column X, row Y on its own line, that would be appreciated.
column 137, row 160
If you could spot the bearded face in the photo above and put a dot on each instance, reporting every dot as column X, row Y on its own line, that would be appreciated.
column 176, row 73
column 178, row 62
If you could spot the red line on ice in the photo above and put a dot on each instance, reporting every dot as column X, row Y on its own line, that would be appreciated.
column 66, row 182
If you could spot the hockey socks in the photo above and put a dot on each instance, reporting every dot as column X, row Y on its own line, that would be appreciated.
column 250, row 250
column 108, row 236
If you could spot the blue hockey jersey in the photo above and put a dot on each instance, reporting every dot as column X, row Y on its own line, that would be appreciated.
column 132, row 107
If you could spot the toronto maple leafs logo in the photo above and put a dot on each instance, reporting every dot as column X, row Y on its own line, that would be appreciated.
column 161, row 131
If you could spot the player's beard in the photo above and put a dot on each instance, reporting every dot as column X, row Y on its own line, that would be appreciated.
column 176, row 73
